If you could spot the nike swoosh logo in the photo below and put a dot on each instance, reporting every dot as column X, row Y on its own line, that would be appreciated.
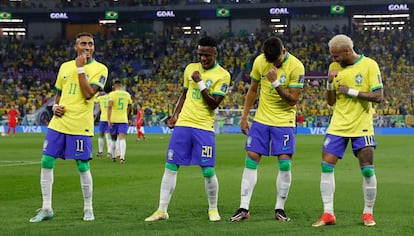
column 204, row 160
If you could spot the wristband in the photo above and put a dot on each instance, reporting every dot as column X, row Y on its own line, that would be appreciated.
column 201, row 85
column 353, row 92
column 54, row 107
column 275, row 84
column 81, row 70
column 329, row 86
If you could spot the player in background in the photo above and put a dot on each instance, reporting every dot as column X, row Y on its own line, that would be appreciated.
column 280, row 77
column 139, row 122
column 119, row 117
column 12, row 114
column 354, row 83
column 193, row 139
column 102, row 98
column 70, row 131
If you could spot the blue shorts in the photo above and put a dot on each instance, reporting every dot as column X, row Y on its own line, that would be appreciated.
column 191, row 146
column 336, row 145
column 103, row 126
column 67, row 146
column 271, row 140
column 118, row 128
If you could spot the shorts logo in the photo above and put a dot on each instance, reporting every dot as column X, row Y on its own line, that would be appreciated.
column 204, row 160
column 170, row 154
column 78, row 154
column 249, row 141
column 45, row 144
column 326, row 142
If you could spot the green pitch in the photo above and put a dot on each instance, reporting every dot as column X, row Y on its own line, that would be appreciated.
column 125, row 194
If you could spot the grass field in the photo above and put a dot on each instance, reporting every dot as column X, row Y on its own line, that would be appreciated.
column 125, row 194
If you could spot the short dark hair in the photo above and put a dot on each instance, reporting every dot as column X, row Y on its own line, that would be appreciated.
column 207, row 41
column 83, row 34
column 272, row 49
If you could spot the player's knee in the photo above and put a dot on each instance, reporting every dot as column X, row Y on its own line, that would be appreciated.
column 285, row 165
column 368, row 171
column 83, row 166
column 48, row 162
column 327, row 167
column 171, row 166
column 250, row 163
column 208, row 172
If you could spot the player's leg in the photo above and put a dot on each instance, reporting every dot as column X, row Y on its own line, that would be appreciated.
column 212, row 188
column 257, row 144
column 178, row 153
column 46, row 183
column 87, row 189
column 122, row 129
column 332, row 150
column 369, row 183
column 168, row 183
column 101, row 143
column 53, row 146
column 112, row 143
column 283, row 145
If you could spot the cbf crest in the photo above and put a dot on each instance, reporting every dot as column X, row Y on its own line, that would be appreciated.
column 283, row 79
column 209, row 83
column 170, row 154
column 358, row 80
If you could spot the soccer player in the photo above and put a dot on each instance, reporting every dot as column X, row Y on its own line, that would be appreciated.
column 139, row 122
column 354, row 82
column 70, row 131
column 102, row 99
column 119, row 117
column 13, row 113
column 280, row 77
column 193, row 139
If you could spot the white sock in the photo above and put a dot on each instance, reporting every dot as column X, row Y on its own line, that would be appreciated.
column 122, row 148
column 369, row 187
column 108, row 142
column 283, row 181
column 168, row 182
column 113, row 148
column 117, row 148
column 327, row 188
column 248, row 183
column 87, row 186
column 101, row 143
column 212, row 187
column 46, row 183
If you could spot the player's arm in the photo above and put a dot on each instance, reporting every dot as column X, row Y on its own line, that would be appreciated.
column 178, row 106
column 248, row 103
column 58, row 110
column 129, row 109
column 330, row 92
column 213, row 101
column 88, row 90
column 290, row 95
column 373, row 96
column 110, row 103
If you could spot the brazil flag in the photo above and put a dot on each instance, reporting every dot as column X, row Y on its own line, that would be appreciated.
column 5, row 15
column 337, row 9
column 111, row 15
column 222, row 12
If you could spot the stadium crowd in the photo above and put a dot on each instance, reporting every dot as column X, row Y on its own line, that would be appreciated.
column 151, row 66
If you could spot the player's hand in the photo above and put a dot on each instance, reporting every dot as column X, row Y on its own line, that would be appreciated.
column 171, row 122
column 196, row 76
column 58, row 110
column 110, row 124
column 331, row 75
column 272, row 74
column 244, row 126
column 343, row 89
column 81, row 60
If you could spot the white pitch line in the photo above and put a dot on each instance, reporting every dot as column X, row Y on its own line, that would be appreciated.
column 18, row 163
